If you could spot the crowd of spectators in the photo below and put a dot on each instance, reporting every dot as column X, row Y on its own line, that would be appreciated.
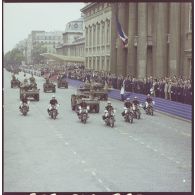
column 172, row 88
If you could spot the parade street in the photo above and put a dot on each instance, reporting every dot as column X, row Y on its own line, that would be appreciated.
column 40, row 154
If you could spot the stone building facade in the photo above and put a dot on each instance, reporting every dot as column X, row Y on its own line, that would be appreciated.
column 159, row 39
column 97, row 20
column 73, row 40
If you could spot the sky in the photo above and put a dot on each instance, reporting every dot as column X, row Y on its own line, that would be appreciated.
column 19, row 19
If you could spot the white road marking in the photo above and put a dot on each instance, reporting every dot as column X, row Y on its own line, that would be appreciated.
column 186, row 134
column 170, row 158
column 184, row 180
column 142, row 142
column 66, row 143
column 59, row 136
column 74, row 152
column 83, row 162
column 93, row 173
column 108, row 189
column 177, row 162
column 130, row 136
column 148, row 146
column 155, row 150
column 100, row 180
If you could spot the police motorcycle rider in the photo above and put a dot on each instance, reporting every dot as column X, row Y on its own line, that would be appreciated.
column 136, row 105
column 24, row 101
column 127, row 105
column 107, row 109
column 53, row 103
column 82, row 106
column 149, row 102
column 82, row 111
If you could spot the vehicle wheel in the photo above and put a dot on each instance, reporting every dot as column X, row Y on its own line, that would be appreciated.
column 37, row 97
column 97, row 108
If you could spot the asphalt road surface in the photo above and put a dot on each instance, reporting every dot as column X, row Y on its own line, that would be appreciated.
column 40, row 154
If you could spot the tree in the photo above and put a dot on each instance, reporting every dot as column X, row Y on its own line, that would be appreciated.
column 13, row 57
column 36, row 51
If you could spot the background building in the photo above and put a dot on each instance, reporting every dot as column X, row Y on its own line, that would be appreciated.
column 97, row 20
column 73, row 41
column 48, row 40
column 159, row 39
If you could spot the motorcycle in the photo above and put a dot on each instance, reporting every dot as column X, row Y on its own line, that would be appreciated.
column 24, row 109
column 83, row 116
column 149, row 110
column 128, row 115
column 110, row 119
column 136, row 112
column 53, row 112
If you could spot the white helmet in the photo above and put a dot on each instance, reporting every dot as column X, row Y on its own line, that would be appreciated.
column 53, row 96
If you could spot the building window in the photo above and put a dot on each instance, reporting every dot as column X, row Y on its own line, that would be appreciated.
column 108, row 32
column 86, row 31
column 98, row 34
column 94, row 36
column 102, row 63
column 108, row 64
column 94, row 63
column 103, row 33
column 90, row 37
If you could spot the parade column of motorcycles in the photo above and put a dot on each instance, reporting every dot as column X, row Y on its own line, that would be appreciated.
column 131, row 108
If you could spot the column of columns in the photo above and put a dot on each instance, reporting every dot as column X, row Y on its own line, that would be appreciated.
column 174, row 46
column 132, row 31
column 160, row 47
column 121, row 52
column 142, row 40
column 113, row 53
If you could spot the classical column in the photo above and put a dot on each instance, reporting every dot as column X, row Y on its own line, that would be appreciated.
column 132, row 31
column 174, row 45
column 160, row 47
column 142, row 40
column 113, row 56
column 122, row 52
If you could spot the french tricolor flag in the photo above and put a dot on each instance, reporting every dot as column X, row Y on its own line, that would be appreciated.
column 121, row 33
